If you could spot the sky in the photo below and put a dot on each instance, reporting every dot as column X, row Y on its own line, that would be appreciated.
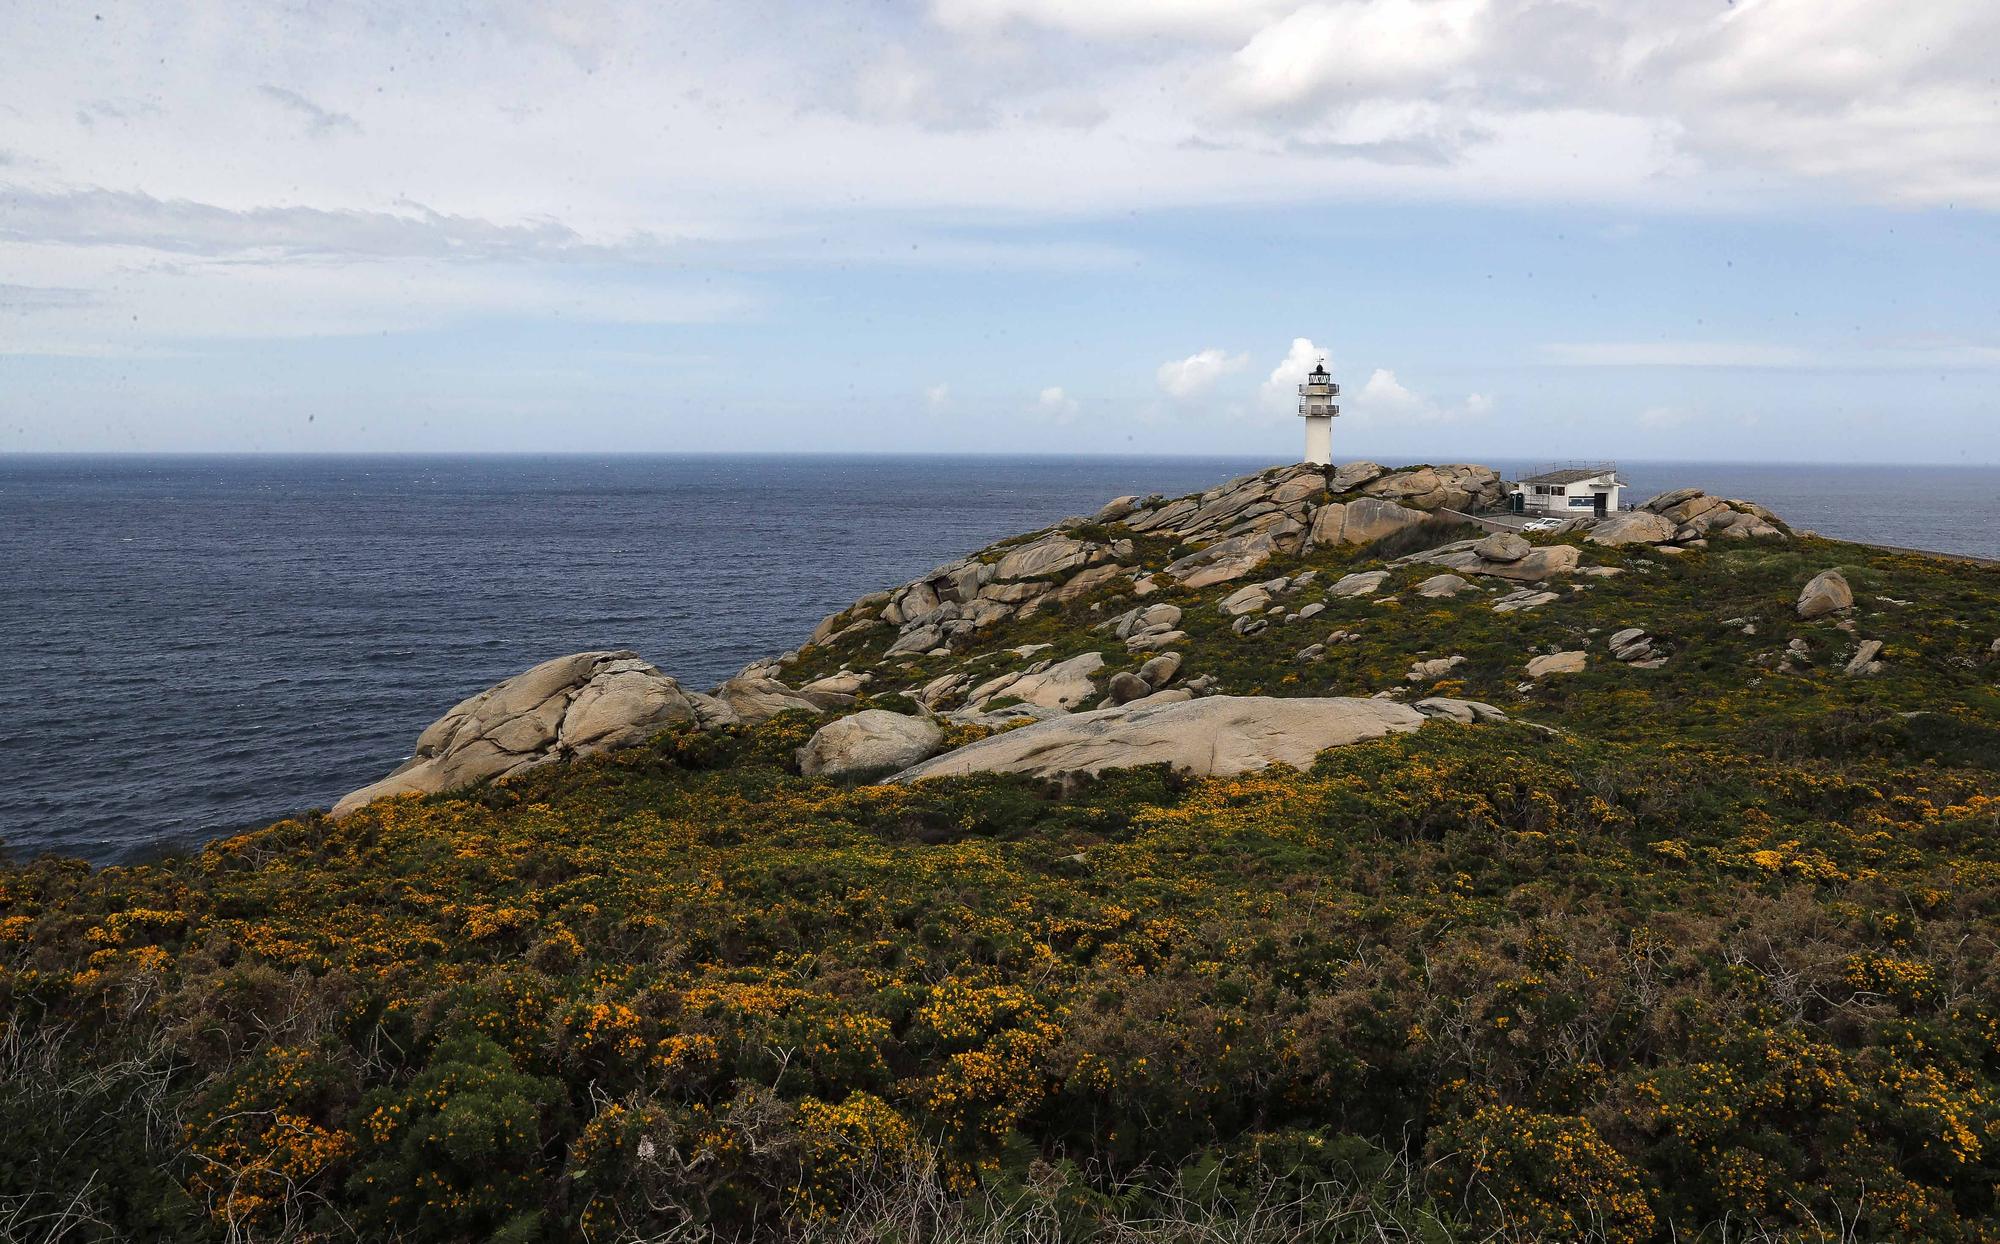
column 1762, row 230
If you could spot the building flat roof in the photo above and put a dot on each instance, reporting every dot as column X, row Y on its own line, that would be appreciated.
column 1563, row 477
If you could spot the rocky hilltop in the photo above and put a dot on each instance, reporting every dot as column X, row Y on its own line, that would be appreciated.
column 1298, row 860
column 1169, row 558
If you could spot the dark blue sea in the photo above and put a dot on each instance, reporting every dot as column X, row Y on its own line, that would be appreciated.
column 193, row 645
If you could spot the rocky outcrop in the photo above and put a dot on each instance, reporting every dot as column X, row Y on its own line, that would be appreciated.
column 1468, row 712
column 1544, row 563
column 1433, row 669
column 1524, row 598
column 1696, row 515
column 1148, row 627
column 872, row 741
column 1050, row 555
column 1633, row 527
column 1540, row 562
column 1361, row 583
column 576, row 705
column 1127, row 687
column 1223, row 561
column 1635, row 647
column 1827, row 593
column 1503, row 547
column 1866, row 660
column 1082, row 583
column 1211, row 737
column 1117, row 509
column 1277, row 502
column 946, row 608
column 1558, row 663
column 750, row 698
column 1045, row 684
column 1363, row 520
column 1352, row 475
column 1255, row 598
column 1460, row 486
column 844, row 682
column 1231, row 531
column 1354, row 504
column 1441, row 585
column 1161, row 670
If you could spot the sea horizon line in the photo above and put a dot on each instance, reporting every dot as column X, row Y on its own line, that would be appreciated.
column 905, row 455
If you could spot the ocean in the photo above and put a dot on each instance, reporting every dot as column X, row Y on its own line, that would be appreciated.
column 199, row 644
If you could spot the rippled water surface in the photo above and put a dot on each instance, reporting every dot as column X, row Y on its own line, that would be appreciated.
column 199, row 644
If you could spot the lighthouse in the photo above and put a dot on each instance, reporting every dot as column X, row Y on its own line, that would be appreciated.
column 1317, row 408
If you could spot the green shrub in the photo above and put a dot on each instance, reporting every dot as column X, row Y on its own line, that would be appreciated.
column 458, row 1153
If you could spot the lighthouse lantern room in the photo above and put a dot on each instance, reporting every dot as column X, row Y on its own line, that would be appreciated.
column 1317, row 408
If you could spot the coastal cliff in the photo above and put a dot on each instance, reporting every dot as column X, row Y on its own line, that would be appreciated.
column 1300, row 859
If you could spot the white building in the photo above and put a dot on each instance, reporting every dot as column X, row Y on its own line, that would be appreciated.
column 1576, row 490
column 1317, row 408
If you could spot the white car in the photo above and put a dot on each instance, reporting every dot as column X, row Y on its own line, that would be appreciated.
column 1541, row 524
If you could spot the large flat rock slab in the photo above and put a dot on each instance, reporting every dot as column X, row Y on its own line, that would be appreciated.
column 1211, row 737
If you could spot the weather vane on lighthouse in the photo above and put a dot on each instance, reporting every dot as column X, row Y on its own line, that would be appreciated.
column 1317, row 408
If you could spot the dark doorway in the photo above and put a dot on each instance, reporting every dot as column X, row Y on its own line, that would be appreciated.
column 1603, row 500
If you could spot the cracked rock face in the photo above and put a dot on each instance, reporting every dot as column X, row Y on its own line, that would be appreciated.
column 576, row 705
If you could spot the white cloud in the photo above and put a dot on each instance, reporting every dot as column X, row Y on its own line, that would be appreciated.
column 1349, row 45
column 899, row 86
column 937, row 397
column 1382, row 401
column 1385, row 392
column 1053, row 404
column 1113, row 18
column 1279, row 394
column 1198, row 372
column 1771, row 100
column 1386, row 400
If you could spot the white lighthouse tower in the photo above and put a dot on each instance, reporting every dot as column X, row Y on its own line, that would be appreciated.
column 1317, row 408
